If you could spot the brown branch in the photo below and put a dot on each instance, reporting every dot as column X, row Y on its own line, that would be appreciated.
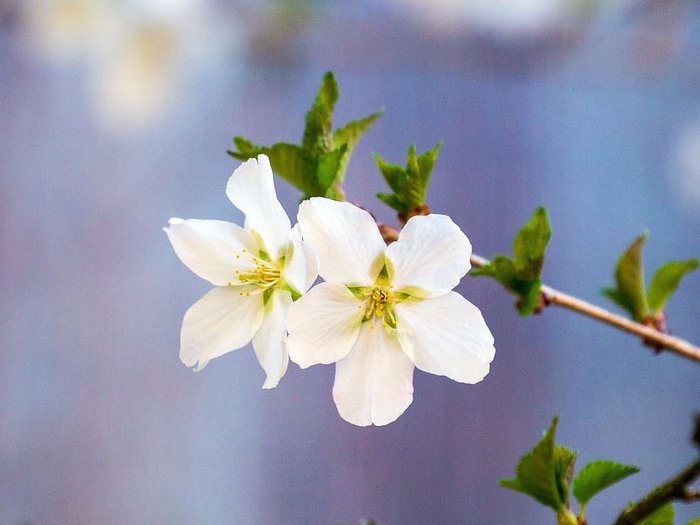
column 673, row 489
column 649, row 335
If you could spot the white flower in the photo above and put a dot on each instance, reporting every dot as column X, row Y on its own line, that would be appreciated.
column 385, row 310
column 258, row 270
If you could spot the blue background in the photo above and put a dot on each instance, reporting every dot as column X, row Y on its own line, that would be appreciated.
column 596, row 117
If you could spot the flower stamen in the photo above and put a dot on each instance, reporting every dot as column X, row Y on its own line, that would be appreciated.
column 263, row 274
column 379, row 303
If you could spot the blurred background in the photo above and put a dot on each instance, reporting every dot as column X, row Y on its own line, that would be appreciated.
column 116, row 115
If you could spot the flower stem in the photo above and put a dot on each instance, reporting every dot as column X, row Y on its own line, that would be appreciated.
column 649, row 335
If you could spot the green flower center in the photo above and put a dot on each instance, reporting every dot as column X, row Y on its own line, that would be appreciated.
column 261, row 273
column 378, row 303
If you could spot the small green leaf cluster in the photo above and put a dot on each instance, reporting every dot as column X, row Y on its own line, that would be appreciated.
column 545, row 473
column 521, row 274
column 408, row 184
column 317, row 166
column 645, row 306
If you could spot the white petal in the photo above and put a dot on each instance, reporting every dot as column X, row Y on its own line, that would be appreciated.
column 268, row 343
column 446, row 336
column 251, row 189
column 209, row 248
column 432, row 254
column 218, row 323
column 350, row 248
column 301, row 263
column 374, row 383
column 323, row 325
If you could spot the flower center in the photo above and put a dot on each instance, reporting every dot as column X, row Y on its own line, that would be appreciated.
column 379, row 302
column 255, row 271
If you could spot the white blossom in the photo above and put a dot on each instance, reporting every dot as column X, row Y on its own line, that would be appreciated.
column 384, row 310
column 257, row 270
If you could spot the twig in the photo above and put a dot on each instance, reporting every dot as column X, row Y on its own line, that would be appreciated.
column 674, row 489
column 649, row 335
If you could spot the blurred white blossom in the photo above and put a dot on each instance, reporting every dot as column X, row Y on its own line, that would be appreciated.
column 137, row 53
column 504, row 18
column 65, row 29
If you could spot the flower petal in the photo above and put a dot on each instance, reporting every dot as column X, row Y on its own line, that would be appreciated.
column 446, row 336
column 251, row 189
column 221, row 321
column 374, row 383
column 209, row 248
column 268, row 343
column 350, row 248
column 301, row 263
column 323, row 325
column 431, row 254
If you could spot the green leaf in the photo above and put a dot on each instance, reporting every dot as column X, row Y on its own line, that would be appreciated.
column 328, row 167
column 409, row 184
column 505, row 272
column 289, row 161
column 348, row 136
column 666, row 280
column 535, row 474
column 521, row 275
column 694, row 521
column 317, row 166
column 530, row 244
column 564, row 460
column 319, row 120
column 662, row 516
column 597, row 476
column 629, row 279
column 246, row 149
column 390, row 200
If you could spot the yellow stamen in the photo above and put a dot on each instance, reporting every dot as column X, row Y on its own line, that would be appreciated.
column 379, row 303
column 261, row 273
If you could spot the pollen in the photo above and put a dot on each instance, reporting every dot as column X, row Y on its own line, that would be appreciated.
column 254, row 270
column 379, row 303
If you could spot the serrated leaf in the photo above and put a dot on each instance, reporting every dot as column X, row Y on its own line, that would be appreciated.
column 629, row 293
column 426, row 162
column 666, row 281
column 389, row 199
column 530, row 244
column 521, row 275
column 506, row 273
column 245, row 148
column 348, row 136
column 409, row 184
column 319, row 120
column 564, row 460
column 420, row 169
column 327, row 175
column 662, row 516
column 597, row 476
column 288, row 161
column 317, row 166
column 394, row 174
column 535, row 474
